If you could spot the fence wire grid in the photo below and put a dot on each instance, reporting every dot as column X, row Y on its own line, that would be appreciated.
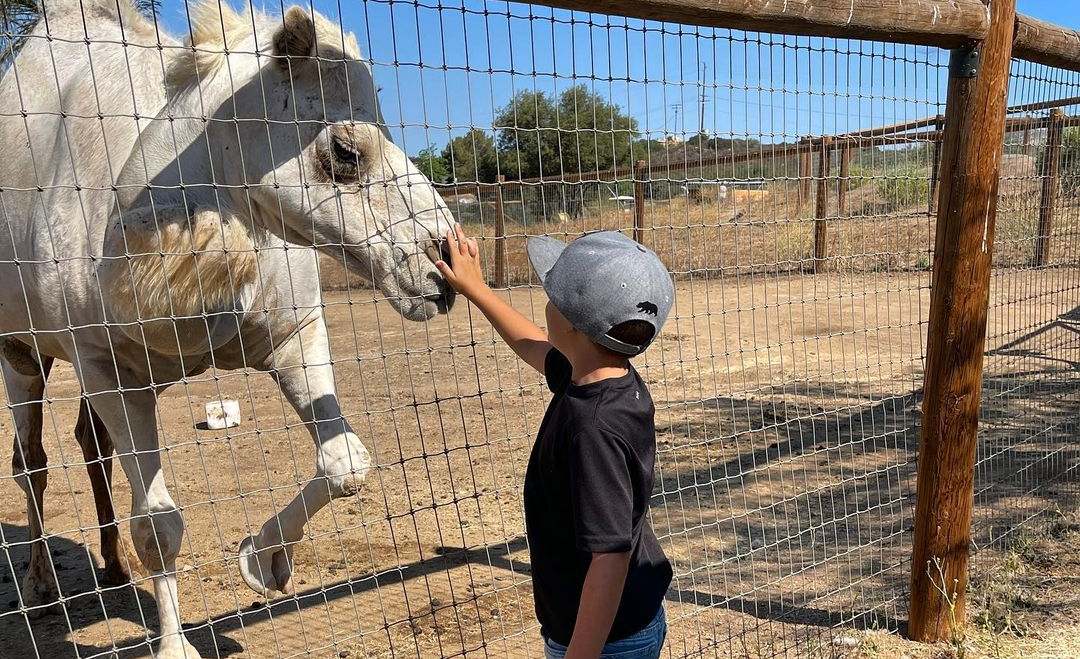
column 196, row 200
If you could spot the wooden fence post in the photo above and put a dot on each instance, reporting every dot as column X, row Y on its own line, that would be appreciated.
column 639, row 201
column 821, row 205
column 956, row 336
column 1051, row 172
column 845, row 180
column 805, row 173
column 935, row 173
column 500, row 235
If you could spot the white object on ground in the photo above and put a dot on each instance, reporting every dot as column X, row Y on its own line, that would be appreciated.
column 222, row 414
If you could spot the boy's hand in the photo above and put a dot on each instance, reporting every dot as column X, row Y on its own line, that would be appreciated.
column 463, row 272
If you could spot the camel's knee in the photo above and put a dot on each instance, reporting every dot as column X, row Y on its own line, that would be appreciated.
column 92, row 435
column 156, row 536
column 343, row 462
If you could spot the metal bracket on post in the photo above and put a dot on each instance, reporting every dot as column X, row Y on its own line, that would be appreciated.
column 964, row 62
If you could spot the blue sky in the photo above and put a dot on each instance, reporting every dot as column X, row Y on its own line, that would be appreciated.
column 444, row 66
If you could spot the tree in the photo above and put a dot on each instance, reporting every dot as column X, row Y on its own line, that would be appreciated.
column 431, row 163
column 472, row 157
column 594, row 134
column 528, row 136
column 581, row 133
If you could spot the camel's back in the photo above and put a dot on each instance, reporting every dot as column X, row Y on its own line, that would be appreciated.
column 68, row 123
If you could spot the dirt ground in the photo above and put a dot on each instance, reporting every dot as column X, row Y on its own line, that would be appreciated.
column 786, row 407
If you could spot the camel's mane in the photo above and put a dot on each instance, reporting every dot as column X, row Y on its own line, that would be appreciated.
column 217, row 28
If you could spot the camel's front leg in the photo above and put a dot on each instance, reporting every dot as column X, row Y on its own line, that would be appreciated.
column 302, row 369
column 157, row 527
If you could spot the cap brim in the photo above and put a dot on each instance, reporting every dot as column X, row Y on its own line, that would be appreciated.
column 544, row 251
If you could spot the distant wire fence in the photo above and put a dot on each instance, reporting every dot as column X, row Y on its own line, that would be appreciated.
column 183, row 220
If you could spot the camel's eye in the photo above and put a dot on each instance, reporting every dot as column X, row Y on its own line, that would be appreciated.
column 345, row 162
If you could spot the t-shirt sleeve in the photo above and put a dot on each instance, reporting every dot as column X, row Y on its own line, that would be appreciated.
column 602, row 492
column 557, row 371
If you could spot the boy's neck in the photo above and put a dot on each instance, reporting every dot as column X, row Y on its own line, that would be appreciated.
column 597, row 366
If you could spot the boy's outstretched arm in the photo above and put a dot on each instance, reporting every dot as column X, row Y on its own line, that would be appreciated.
column 465, row 275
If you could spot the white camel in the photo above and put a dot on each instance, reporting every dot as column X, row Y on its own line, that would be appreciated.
column 162, row 212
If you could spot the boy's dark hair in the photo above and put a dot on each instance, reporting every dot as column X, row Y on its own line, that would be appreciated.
column 634, row 332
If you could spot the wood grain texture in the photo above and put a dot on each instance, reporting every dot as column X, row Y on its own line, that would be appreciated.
column 500, row 235
column 640, row 176
column 845, row 182
column 956, row 336
column 935, row 171
column 1048, row 196
column 944, row 23
column 806, row 171
column 941, row 23
column 1046, row 43
column 821, row 205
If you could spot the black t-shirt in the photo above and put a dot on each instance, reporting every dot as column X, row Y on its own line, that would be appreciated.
column 587, row 489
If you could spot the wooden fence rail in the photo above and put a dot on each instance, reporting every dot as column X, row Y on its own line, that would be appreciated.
column 643, row 171
column 941, row 23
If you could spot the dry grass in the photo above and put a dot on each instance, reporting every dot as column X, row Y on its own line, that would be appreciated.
column 772, row 233
column 1022, row 599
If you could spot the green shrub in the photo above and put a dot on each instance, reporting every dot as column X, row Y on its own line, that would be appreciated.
column 1070, row 162
column 904, row 187
column 859, row 175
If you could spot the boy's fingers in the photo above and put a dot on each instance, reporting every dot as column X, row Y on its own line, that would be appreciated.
column 462, row 241
column 474, row 249
column 451, row 241
column 445, row 269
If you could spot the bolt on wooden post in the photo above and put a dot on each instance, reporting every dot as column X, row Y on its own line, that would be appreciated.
column 956, row 336
column 1050, row 184
column 500, row 234
column 821, row 205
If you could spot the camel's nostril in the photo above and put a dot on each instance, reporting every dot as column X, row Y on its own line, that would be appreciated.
column 444, row 250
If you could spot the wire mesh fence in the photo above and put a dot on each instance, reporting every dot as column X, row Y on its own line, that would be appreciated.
column 251, row 215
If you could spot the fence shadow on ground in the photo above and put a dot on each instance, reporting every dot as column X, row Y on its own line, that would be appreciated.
column 802, row 518
column 51, row 634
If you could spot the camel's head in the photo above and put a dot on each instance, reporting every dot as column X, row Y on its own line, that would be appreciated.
column 299, row 140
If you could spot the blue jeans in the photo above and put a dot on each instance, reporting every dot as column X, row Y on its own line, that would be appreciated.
column 645, row 644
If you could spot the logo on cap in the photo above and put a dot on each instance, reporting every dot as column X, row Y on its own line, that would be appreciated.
column 647, row 307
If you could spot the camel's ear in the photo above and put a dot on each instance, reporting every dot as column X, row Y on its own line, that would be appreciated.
column 295, row 38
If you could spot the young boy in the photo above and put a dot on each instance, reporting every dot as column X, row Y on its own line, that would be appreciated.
column 599, row 575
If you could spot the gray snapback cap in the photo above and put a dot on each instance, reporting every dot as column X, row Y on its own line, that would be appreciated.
column 603, row 279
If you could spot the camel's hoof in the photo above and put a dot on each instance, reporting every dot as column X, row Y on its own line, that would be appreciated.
column 176, row 647
column 265, row 570
column 40, row 595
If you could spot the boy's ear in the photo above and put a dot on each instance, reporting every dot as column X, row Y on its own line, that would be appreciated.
column 295, row 39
